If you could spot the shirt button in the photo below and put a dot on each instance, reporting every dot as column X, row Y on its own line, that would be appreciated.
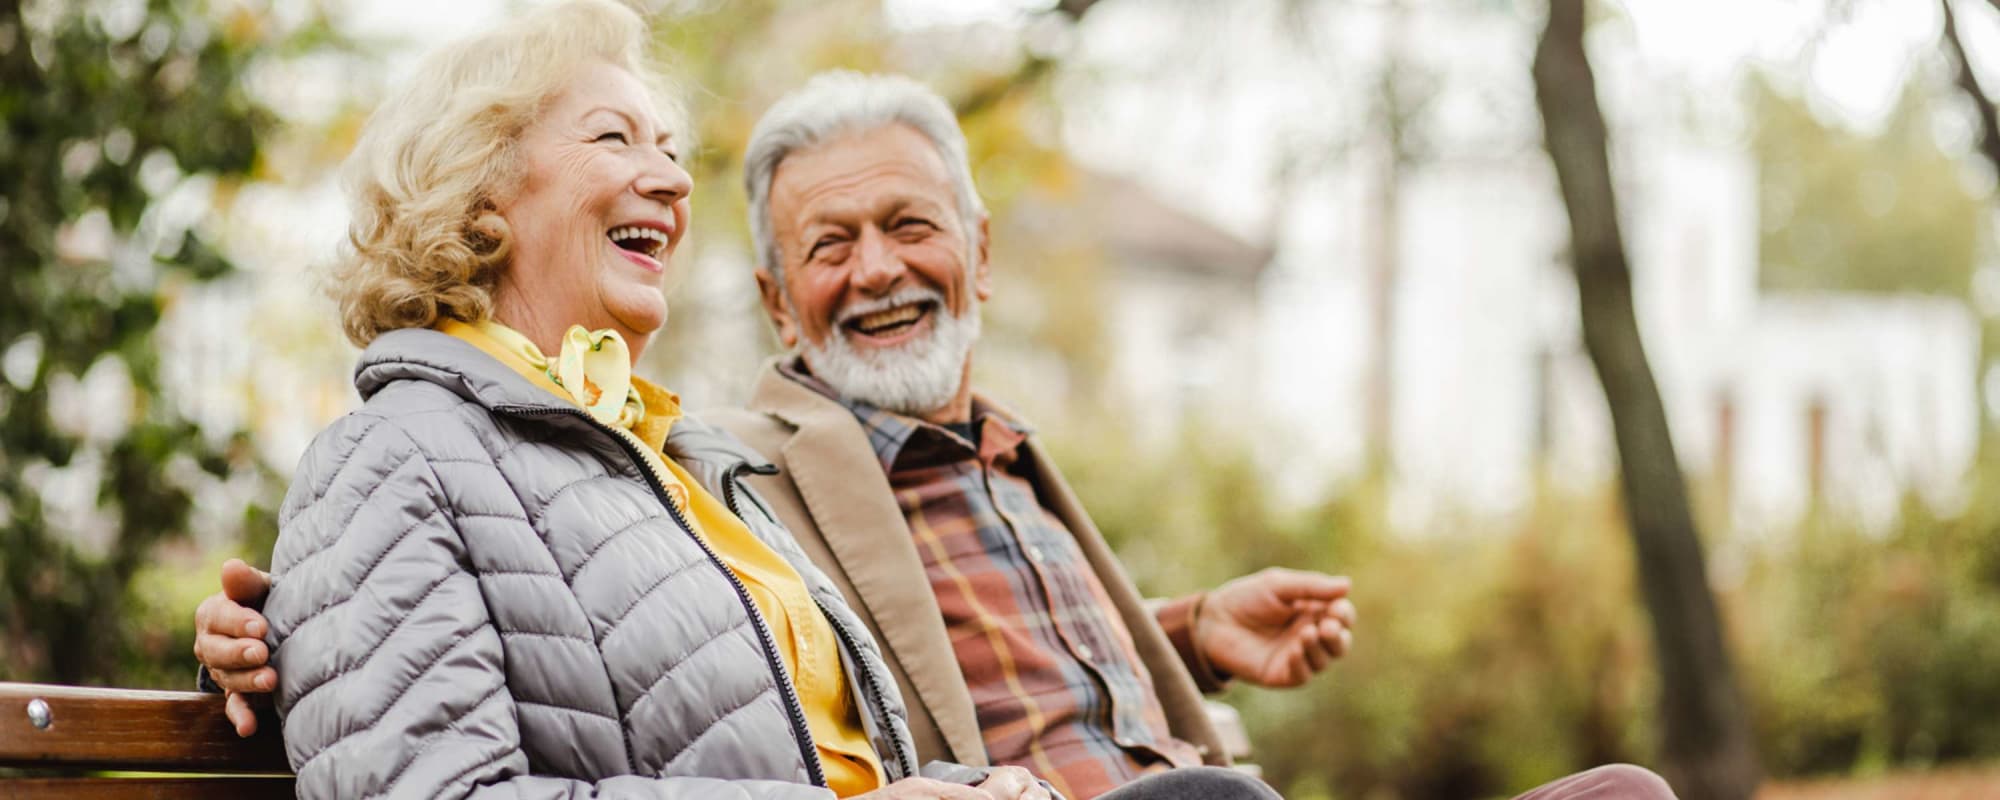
column 1083, row 652
column 1035, row 553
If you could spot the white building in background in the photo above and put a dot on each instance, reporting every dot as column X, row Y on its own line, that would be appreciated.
column 1177, row 304
column 1773, row 398
column 1852, row 398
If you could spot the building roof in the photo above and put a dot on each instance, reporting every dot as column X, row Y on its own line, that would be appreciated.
column 1140, row 229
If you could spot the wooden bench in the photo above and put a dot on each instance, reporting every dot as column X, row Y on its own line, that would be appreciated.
column 59, row 738
column 60, row 735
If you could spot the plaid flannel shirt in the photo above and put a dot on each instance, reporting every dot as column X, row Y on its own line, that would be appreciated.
column 1055, row 680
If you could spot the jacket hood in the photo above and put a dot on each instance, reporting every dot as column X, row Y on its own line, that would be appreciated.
column 422, row 354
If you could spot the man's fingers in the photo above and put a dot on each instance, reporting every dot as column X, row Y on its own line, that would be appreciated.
column 1298, row 668
column 1293, row 662
column 231, row 638
column 1343, row 610
column 240, row 715
column 244, row 584
column 221, row 652
column 1292, row 584
column 1335, row 637
column 223, row 616
column 1317, row 654
column 245, row 681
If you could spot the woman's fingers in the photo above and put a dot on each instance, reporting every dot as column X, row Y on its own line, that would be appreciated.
column 1012, row 783
column 925, row 789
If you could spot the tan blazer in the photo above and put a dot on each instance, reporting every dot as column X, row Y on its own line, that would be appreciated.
column 830, row 491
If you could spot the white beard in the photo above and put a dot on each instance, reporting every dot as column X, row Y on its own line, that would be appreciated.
column 914, row 378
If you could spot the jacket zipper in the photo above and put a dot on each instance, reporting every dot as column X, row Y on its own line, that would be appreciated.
column 658, row 484
column 906, row 760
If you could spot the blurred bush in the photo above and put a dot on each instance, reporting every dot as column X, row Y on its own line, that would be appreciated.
column 1872, row 651
column 1496, row 654
column 126, row 124
column 112, row 112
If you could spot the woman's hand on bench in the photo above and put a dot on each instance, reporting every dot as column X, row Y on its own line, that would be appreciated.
column 229, row 641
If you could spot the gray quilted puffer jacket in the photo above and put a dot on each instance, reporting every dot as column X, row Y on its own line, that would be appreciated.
column 478, row 590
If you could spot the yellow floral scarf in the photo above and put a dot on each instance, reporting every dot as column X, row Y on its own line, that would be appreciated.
column 594, row 368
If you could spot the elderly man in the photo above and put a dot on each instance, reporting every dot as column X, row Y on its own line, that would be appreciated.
column 1016, row 637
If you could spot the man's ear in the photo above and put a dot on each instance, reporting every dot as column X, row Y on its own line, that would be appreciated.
column 982, row 270
column 773, row 296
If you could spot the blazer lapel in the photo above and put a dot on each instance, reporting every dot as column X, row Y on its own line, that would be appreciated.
column 857, row 518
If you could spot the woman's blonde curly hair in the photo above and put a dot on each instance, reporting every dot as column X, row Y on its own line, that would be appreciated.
column 439, row 156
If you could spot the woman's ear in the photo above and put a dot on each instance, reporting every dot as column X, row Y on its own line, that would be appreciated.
column 488, row 235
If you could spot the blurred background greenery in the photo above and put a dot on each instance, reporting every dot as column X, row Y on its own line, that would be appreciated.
column 1231, row 346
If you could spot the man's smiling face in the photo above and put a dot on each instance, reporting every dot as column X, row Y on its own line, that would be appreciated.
column 882, row 277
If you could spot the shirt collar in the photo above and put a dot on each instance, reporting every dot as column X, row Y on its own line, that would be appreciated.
column 892, row 434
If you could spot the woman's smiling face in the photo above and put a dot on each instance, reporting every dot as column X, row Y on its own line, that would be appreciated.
column 600, row 207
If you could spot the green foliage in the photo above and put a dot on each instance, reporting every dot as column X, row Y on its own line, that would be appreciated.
column 1840, row 210
column 105, row 114
column 1493, row 654
column 1871, row 651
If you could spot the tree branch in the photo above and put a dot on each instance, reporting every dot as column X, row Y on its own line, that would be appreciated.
column 1989, row 122
column 1031, row 71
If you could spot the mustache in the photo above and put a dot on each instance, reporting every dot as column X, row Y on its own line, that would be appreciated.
column 913, row 294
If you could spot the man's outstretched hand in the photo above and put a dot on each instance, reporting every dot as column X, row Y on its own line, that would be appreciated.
column 229, row 640
column 1277, row 627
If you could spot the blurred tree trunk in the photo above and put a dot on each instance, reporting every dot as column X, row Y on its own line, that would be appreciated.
column 1706, row 747
column 1385, row 248
column 1989, row 146
column 1383, row 269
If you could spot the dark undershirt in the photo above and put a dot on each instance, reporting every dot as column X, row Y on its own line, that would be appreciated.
column 966, row 430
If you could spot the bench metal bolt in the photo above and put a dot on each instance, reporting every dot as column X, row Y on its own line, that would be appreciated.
column 39, row 714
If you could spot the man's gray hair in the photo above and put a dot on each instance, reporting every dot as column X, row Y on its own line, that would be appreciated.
column 841, row 102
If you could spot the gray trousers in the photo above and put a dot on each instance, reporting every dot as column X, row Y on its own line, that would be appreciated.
column 1193, row 783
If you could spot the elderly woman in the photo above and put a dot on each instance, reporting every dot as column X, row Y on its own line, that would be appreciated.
column 517, row 568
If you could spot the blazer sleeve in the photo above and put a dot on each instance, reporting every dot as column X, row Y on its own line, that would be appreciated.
column 391, row 680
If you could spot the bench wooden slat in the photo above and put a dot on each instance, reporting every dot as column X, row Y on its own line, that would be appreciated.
column 132, row 730
column 267, row 788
